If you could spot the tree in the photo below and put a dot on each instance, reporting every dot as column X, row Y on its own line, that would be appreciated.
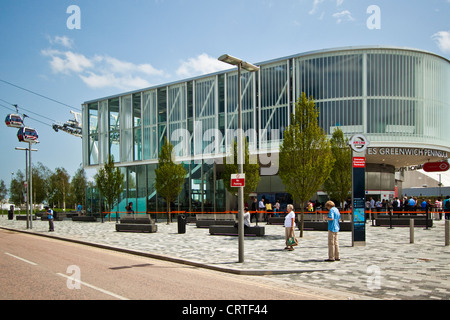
column 3, row 192
column 17, row 189
column 305, row 155
column 41, row 182
column 339, row 183
column 251, row 172
column 110, row 182
column 59, row 187
column 78, row 186
column 170, row 176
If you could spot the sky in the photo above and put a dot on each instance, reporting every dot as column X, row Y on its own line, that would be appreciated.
column 57, row 54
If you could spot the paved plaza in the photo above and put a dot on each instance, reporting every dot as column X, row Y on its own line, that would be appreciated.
column 388, row 267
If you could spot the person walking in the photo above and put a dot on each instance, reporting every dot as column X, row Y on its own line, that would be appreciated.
column 289, row 225
column 333, row 229
column 51, row 226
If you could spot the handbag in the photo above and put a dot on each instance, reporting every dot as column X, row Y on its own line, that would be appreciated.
column 292, row 241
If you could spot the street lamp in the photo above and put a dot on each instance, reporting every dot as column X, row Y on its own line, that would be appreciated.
column 250, row 68
column 29, row 175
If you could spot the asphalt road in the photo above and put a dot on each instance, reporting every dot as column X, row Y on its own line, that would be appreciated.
column 36, row 268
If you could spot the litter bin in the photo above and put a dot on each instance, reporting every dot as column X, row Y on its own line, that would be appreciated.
column 181, row 223
column 11, row 213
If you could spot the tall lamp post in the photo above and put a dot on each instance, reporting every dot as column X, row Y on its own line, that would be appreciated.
column 250, row 68
column 29, row 176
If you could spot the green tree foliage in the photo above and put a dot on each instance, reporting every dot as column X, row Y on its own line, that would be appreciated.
column 110, row 182
column 17, row 189
column 251, row 172
column 3, row 191
column 339, row 184
column 59, row 187
column 305, row 155
column 170, row 176
column 41, row 181
column 78, row 187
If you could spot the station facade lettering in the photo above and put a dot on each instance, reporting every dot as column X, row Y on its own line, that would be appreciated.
column 392, row 151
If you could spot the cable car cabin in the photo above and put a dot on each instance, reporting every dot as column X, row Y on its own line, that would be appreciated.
column 14, row 121
column 26, row 134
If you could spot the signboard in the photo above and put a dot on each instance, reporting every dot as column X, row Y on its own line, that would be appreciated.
column 237, row 180
column 359, row 145
column 436, row 167
column 359, row 162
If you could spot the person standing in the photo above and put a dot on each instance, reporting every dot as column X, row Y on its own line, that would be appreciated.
column 277, row 208
column 333, row 229
column 289, row 225
column 262, row 208
column 446, row 206
column 254, row 212
column 51, row 226
column 79, row 207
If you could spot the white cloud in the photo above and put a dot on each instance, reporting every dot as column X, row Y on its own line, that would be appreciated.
column 339, row 2
column 107, row 80
column 63, row 41
column 101, row 71
column 442, row 39
column 67, row 62
column 316, row 4
column 343, row 16
column 202, row 64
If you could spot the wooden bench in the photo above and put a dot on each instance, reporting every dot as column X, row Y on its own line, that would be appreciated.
column 139, row 228
column 24, row 218
column 403, row 221
column 84, row 219
column 323, row 226
column 233, row 231
column 139, row 224
column 208, row 223
column 136, row 220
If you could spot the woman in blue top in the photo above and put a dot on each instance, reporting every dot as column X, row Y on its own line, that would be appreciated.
column 333, row 229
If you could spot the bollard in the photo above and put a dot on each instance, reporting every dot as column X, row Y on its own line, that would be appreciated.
column 447, row 233
column 411, row 231
column 390, row 219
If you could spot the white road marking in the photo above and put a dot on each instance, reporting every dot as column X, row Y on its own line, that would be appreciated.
column 94, row 287
column 21, row 259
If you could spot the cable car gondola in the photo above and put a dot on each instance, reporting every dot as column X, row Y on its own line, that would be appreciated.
column 26, row 134
column 14, row 121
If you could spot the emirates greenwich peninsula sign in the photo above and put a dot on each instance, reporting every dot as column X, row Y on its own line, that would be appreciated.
column 392, row 151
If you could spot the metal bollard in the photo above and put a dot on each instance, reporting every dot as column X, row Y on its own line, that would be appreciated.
column 411, row 231
column 447, row 233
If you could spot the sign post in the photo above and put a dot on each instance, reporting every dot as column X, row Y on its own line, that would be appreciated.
column 358, row 144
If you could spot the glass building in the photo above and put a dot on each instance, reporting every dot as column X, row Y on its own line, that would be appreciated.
column 398, row 98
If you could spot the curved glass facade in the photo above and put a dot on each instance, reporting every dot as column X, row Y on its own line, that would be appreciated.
column 391, row 95
column 397, row 97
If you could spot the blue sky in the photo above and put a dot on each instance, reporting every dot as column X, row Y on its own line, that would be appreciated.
column 126, row 45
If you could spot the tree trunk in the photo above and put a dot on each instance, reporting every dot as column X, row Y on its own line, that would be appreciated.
column 302, row 220
column 168, row 212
